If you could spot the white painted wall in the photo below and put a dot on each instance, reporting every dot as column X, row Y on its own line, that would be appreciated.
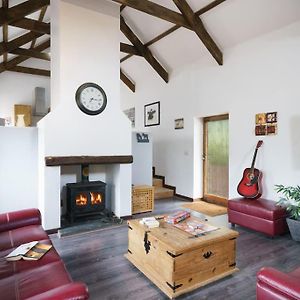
column 260, row 75
column 18, row 168
column 16, row 88
column 78, row 57
column 142, row 161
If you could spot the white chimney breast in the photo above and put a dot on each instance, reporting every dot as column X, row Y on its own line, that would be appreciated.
column 84, row 48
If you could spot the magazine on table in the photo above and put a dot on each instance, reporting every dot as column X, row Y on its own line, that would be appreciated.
column 196, row 227
column 29, row 251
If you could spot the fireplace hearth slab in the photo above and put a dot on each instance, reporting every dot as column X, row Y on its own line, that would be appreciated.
column 89, row 225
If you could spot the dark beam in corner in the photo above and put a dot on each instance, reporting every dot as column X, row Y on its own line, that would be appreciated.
column 130, row 84
column 52, row 161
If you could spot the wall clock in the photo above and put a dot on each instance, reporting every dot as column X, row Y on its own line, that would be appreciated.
column 91, row 98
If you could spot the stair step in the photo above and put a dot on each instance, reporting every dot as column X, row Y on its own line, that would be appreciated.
column 162, row 193
column 157, row 182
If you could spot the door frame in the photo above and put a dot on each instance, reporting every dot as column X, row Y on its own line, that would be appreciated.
column 206, row 197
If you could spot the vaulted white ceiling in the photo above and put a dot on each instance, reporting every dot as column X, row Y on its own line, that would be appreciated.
column 230, row 23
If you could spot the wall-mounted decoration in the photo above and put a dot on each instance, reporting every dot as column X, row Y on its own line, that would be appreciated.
column 142, row 138
column 23, row 110
column 130, row 113
column 179, row 123
column 152, row 114
column 266, row 123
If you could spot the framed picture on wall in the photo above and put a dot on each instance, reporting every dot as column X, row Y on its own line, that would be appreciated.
column 152, row 114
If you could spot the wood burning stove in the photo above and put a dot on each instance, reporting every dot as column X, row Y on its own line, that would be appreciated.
column 85, row 198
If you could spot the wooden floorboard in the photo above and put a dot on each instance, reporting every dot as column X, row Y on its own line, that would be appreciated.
column 97, row 258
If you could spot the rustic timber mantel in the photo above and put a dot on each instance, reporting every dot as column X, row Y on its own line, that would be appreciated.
column 51, row 161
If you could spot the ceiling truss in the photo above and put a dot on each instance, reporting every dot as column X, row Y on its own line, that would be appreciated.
column 17, row 16
column 188, row 19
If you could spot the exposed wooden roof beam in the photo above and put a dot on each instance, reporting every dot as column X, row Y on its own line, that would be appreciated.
column 129, row 49
column 32, row 25
column 200, row 30
column 32, row 71
column 209, row 6
column 40, row 19
column 144, row 51
column 5, row 29
column 21, row 10
column 19, row 59
column 31, row 53
column 156, row 10
column 175, row 27
column 130, row 84
column 18, row 42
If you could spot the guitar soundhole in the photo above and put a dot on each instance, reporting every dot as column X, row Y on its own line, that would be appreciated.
column 207, row 254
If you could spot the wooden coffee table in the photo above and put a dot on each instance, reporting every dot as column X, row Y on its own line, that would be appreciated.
column 177, row 263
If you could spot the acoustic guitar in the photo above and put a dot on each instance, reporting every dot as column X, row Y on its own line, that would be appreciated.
column 250, row 184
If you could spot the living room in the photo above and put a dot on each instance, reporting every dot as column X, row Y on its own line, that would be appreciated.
column 256, row 73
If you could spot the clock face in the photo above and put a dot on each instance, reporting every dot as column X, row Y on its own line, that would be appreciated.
column 91, row 98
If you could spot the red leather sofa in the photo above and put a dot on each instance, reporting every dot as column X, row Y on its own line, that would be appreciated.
column 44, row 279
column 275, row 285
column 258, row 214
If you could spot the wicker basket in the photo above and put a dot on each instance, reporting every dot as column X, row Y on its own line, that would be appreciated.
column 142, row 198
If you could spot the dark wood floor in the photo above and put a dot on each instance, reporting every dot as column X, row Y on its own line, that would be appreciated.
column 97, row 258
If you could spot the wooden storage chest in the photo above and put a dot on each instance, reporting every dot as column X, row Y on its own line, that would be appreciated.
column 142, row 198
column 177, row 263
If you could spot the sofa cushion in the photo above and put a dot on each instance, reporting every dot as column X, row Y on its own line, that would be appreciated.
column 16, row 237
column 34, row 281
column 261, row 208
column 20, row 218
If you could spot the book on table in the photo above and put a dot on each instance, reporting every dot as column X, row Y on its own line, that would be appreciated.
column 151, row 222
column 29, row 251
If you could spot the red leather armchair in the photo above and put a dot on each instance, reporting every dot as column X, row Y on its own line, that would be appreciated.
column 44, row 279
column 275, row 285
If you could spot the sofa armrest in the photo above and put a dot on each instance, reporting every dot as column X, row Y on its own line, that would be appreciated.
column 71, row 291
column 282, row 282
column 20, row 218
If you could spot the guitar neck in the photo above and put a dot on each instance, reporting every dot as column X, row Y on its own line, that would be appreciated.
column 253, row 161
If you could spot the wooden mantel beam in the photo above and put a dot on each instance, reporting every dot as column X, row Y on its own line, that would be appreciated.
column 143, row 50
column 156, row 10
column 79, row 160
column 200, row 30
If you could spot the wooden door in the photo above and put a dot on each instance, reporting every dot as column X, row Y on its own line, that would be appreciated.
column 216, row 159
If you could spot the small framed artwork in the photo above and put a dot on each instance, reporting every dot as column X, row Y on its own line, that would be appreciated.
column 266, row 123
column 271, row 117
column 179, row 123
column 260, row 118
column 152, row 114
column 260, row 130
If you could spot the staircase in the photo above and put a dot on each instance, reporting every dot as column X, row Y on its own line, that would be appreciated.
column 161, row 192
